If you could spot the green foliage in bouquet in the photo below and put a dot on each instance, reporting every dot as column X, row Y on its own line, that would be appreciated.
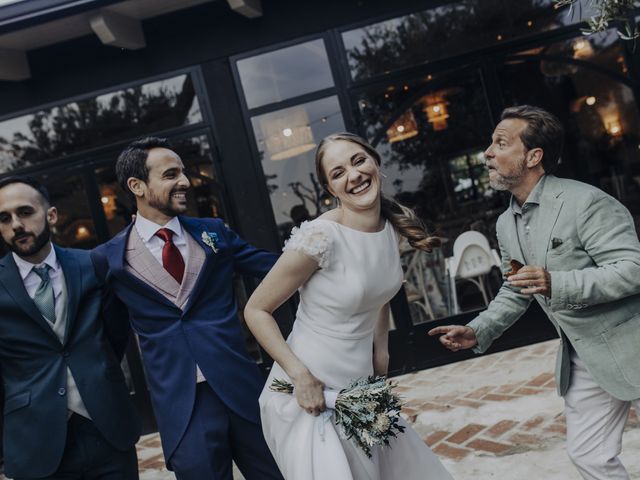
column 608, row 11
column 367, row 411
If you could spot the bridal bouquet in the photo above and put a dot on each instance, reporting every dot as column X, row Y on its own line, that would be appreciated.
column 367, row 410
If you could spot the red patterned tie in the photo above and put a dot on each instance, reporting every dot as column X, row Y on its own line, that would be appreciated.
column 171, row 258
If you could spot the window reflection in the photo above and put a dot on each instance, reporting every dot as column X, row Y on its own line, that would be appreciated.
column 431, row 133
column 285, row 73
column 449, row 30
column 286, row 141
column 97, row 121
column 469, row 177
column 204, row 199
column 599, row 111
column 75, row 227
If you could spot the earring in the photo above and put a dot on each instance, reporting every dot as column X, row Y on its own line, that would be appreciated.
column 383, row 175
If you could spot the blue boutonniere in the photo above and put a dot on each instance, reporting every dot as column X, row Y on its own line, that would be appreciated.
column 211, row 240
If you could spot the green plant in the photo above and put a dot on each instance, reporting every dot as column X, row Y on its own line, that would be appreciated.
column 608, row 11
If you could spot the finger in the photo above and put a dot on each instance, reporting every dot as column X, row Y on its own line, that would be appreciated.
column 527, row 276
column 529, row 269
column 440, row 330
column 530, row 290
column 448, row 343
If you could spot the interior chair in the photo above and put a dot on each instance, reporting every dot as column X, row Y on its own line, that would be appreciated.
column 473, row 258
column 414, row 280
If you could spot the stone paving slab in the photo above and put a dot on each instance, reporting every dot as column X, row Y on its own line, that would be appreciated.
column 491, row 417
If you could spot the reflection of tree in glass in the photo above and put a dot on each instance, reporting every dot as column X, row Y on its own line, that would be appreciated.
column 314, row 194
column 205, row 197
column 428, row 154
column 271, row 185
column 442, row 31
column 81, row 125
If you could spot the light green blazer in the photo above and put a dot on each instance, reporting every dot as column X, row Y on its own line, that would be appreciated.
column 595, row 284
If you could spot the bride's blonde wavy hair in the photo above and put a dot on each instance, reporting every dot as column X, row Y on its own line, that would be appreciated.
column 404, row 220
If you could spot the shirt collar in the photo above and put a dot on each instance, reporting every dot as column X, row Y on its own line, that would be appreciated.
column 147, row 229
column 25, row 267
column 533, row 198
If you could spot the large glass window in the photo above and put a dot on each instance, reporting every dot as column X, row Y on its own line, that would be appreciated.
column 286, row 141
column 584, row 81
column 96, row 121
column 447, row 30
column 67, row 190
column 285, row 73
column 431, row 133
column 286, row 138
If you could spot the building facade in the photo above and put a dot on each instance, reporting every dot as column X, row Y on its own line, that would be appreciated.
column 245, row 95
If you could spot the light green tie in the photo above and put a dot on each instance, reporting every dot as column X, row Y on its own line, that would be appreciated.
column 43, row 297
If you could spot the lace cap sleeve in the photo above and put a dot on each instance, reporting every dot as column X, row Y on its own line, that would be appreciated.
column 312, row 239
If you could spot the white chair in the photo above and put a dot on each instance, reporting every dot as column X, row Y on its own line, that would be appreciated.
column 473, row 258
column 414, row 282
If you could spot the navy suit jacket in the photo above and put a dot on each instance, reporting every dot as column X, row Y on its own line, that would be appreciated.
column 34, row 362
column 206, row 332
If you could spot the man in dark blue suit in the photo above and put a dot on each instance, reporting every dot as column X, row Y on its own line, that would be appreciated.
column 174, row 274
column 67, row 413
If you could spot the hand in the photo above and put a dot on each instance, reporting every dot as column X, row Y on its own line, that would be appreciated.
column 456, row 337
column 532, row 279
column 308, row 391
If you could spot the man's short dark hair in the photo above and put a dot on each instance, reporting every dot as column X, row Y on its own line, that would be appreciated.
column 544, row 131
column 132, row 162
column 30, row 181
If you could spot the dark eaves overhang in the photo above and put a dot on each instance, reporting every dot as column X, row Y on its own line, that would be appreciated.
column 30, row 24
column 27, row 13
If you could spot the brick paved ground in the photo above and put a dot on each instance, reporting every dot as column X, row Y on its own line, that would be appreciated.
column 493, row 417
column 499, row 417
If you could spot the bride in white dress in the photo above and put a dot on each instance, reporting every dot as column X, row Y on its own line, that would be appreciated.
column 346, row 266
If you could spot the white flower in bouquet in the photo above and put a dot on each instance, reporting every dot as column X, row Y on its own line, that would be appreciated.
column 367, row 410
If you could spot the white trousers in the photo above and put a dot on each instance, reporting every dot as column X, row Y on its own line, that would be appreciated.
column 595, row 423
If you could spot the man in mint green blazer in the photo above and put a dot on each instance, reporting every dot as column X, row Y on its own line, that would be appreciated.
column 581, row 258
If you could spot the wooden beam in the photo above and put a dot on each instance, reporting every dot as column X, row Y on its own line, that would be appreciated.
column 14, row 65
column 248, row 8
column 117, row 30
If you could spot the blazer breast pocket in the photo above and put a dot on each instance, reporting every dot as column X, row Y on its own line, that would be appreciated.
column 17, row 401
column 566, row 246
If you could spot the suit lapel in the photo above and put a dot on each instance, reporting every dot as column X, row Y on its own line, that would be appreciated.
column 12, row 281
column 73, row 277
column 140, row 259
column 195, row 261
column 116, row 257
column 550, row 206
column 195, row 228
column 512, row 237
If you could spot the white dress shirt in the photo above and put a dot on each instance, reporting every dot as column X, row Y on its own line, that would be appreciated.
column 147, row 231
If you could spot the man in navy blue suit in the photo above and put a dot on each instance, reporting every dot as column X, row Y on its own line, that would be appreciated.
column 174, row 274
column 67, row 412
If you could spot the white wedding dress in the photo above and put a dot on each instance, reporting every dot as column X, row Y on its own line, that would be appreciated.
column 333, row 336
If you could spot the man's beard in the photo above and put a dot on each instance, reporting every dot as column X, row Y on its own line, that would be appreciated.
column 165, row 206
column 506, row 182
column 38, row 243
